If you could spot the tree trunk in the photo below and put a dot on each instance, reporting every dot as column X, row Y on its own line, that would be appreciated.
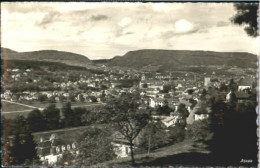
column 132, row 152
column 149, row 142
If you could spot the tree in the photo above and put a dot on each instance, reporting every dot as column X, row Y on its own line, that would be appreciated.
column 176, row 134
column 247, row 15
column 182, row 110
column 223, row 87
column 52, row 99
column 72, row 98
column 16, row 153
column 35, row 121
column 18, row 125
column 94, row 147
column 199, row 130
column 5, row 127
column 67, row 114
column 183, row 113
column 127, row 119
column 232, row 128
column 166, row 89
column 29, row 146
column 153, row 136
column 52, row 117
column 61, row 98
column 42, row 97
column 232, row 85
column 78, row 113
column 164, row 110
column 190, row 91
column 22, row 141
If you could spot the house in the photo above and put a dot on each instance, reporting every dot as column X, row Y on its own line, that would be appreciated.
column 52, row 148
column 121, row 146
column 170, row 121
column 199, row 112
column 157, row 102
column 242, row 96
column 153, row 84
column 121, row 149
column 201, row 116
column 208, row 81
column 245, row 83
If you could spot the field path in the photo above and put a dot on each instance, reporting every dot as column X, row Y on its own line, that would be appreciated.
column 19, row 104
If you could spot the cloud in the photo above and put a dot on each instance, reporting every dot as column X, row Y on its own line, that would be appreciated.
column 25, row 8
column 47, row 19
column 221, row 24
column 98, row 17
column 123, row 33
column 125, row 21
column 183, row 26
column 170, row 34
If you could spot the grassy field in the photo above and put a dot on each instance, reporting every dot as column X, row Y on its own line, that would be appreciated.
column 11, row 110
column 13, row 115
column 162, row 156
column 184, row 154
column 58, row 104
column 10, row 107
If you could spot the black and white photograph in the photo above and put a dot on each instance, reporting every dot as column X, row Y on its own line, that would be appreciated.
column 129, row 84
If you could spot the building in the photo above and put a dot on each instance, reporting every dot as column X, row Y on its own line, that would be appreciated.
column 201, row 116
column 231, row 97
column 206, row 81
column 157, row 102
column 50, row 150
column 121, row 146
column 242, row 96
column 245, row 83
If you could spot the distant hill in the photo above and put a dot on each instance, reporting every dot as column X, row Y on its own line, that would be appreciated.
column 147, row 59
column 100, row 61
column 46, row 55
column 170, row 59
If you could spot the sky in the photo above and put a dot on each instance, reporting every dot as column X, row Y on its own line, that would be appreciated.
column 108, row 29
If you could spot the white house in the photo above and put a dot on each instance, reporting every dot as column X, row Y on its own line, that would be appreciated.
column 121, row 149
column 201, row 116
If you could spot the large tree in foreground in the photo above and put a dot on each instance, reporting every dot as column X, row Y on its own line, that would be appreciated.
column 94, row 147
column 127, row 118
column 247, row 15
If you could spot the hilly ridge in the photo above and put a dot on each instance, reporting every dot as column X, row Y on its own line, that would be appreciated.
column 46, row 55
column 179, row 58
column 145, row 59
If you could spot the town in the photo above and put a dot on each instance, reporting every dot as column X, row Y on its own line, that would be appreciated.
column 172, row 99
